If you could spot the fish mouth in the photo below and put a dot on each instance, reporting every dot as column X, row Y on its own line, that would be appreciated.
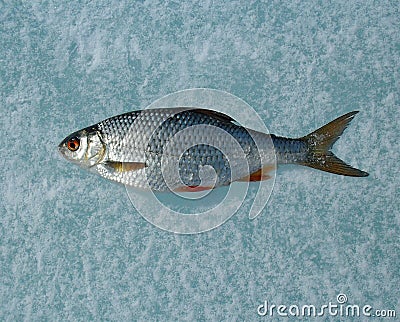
column 62, row 147
column 62, row 144
column 62, row 151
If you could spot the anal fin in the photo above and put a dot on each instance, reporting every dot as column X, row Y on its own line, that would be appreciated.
column 259, row 175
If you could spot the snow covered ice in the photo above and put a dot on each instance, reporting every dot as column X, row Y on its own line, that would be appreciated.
column 73, row 247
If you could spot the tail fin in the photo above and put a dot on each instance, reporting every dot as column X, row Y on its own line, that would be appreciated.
column 321, row 141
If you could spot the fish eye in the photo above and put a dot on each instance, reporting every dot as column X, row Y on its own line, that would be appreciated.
column 73, row 144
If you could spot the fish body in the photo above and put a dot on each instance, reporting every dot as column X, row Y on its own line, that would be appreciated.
column 187, row 149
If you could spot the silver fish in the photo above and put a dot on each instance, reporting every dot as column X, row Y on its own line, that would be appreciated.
column 185, row 149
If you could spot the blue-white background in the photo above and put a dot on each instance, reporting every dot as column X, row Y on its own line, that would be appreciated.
column 71, row 245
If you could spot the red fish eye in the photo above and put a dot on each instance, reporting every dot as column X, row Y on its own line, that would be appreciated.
column 73, row 144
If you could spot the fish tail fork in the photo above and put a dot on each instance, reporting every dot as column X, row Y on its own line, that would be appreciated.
column 319, row 144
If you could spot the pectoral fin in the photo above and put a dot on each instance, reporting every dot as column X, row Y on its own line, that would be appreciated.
column 125, row 166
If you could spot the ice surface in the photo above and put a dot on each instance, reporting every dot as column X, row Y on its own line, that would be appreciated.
column 72, row 247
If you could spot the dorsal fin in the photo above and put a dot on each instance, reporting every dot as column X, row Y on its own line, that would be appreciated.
column 217, row 115
column 214, row 114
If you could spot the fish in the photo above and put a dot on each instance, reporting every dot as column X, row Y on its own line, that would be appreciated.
column 194, row 149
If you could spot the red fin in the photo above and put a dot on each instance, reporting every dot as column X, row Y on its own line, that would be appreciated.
column 259, row 175
column 192, row 189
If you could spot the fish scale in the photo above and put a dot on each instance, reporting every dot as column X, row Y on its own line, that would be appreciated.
column 146, row 134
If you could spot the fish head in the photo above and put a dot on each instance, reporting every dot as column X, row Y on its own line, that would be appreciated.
column 84, row 148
